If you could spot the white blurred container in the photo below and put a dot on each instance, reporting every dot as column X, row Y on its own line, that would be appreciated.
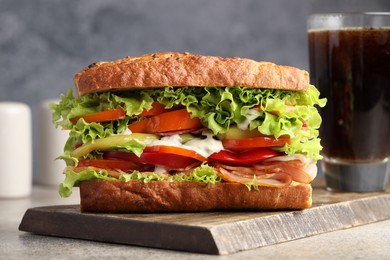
column 51, row 142
column 15, row 150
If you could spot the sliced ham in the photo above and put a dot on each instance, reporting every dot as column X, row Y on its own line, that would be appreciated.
column 236, row 175
column 300, row 168
column 271, row 172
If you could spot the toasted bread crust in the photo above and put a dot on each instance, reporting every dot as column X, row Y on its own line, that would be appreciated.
column 185, row 69
column 164, row 196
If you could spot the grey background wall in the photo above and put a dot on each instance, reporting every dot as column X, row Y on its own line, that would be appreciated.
column 44, row 43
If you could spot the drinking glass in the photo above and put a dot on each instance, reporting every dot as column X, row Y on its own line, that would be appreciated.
column 350, row 64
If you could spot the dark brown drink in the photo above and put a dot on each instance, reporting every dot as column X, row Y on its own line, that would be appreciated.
column 351, row 68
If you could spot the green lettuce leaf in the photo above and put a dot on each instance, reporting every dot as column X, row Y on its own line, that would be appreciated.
column 202, row 174
column 73, row 179
column 69, row 106
column 141, row 176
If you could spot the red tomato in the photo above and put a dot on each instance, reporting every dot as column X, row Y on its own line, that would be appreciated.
column 171, row 161
column 157, row 108
column 255, row 142
column 139, row 127
column 102, row 116
column 244, row 158
column 110, row 164
column 119, row 113
column 119, row 155
column 165, row 122
column 164, row 149
column 167, row 156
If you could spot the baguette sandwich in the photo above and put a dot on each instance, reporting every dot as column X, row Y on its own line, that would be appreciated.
column 182, row 132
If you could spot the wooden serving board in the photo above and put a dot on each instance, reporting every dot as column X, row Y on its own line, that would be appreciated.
column 212, row 232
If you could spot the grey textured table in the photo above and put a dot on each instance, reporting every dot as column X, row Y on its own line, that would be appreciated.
column 370, row 241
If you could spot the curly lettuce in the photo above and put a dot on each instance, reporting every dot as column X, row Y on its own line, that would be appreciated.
column 203, row 174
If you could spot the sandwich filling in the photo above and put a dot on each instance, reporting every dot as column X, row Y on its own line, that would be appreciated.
column 256, row 137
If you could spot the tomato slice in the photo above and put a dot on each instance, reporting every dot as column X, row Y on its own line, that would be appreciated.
column 102, row 116
column 110, row 164
column 168, row 156
column 165, row 122
column 171, row 161
column 246, row 158
column 165, row 149
column 139, row 127
column 255, row 142
column 119, row 113
column 119, row 155
column 166, row 159
column 157, row 108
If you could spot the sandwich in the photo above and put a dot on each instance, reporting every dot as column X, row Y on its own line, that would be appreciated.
column 181, row 132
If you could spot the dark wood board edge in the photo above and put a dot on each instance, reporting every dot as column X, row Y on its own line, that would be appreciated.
column 264, row 231
column 50, row 221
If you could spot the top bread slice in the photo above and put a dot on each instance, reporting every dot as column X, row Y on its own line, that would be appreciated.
column 185, row 69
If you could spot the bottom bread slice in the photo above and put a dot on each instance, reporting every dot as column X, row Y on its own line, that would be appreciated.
column 165, row 196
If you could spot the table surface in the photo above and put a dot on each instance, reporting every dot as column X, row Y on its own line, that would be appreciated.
column 370, row 241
